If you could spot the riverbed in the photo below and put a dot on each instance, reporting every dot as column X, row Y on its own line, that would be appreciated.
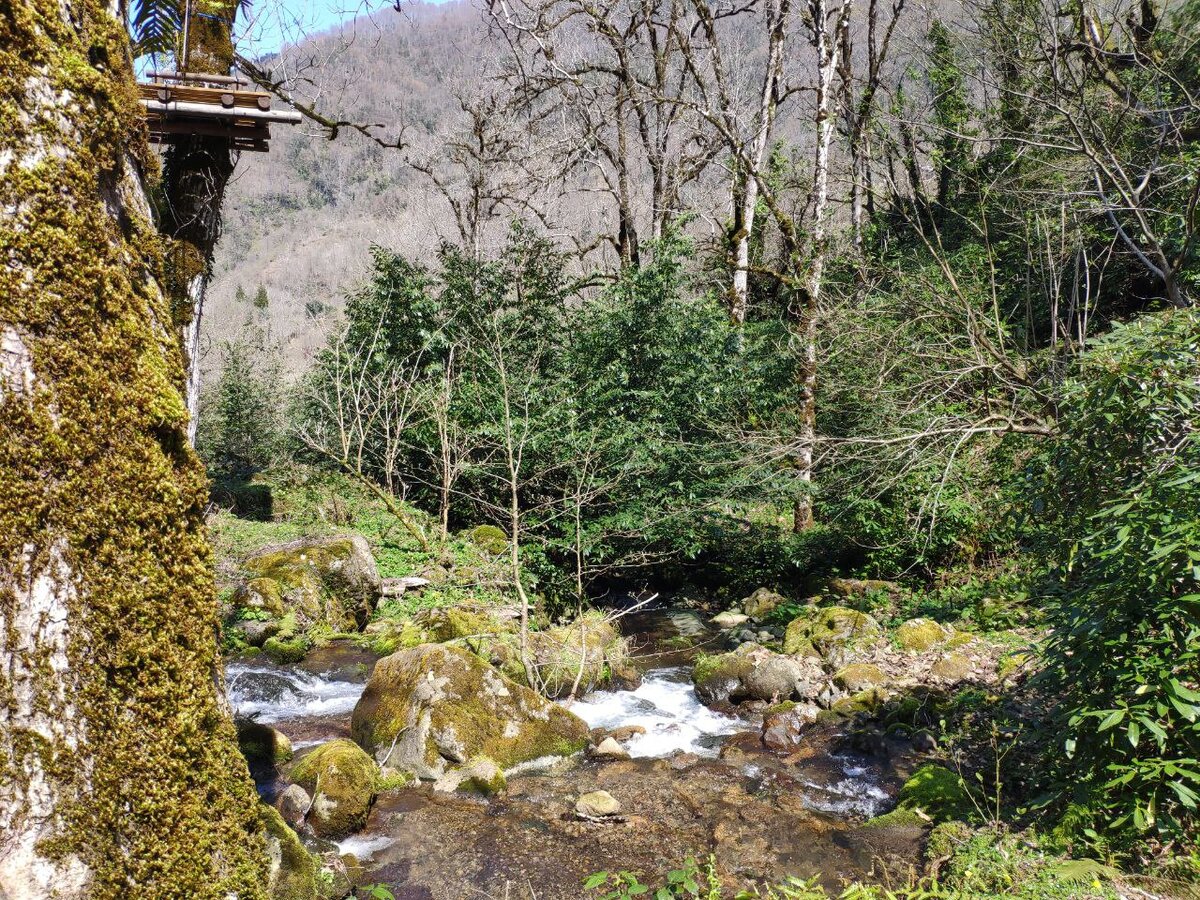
column 698, row 782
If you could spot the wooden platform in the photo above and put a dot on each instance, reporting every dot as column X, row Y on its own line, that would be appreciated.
column 215, row 106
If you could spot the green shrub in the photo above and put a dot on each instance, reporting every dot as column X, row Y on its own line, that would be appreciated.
column 1120, row 494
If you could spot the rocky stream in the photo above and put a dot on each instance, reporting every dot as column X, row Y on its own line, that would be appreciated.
column 688, row 779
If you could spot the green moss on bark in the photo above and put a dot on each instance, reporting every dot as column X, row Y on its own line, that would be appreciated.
column 153, row 797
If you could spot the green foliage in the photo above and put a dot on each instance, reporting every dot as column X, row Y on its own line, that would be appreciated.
column 1120, row 498
column 241, row 427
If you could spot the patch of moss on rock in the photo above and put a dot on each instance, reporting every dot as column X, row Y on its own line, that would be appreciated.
column 952, row 668
column 821, row 631
column 937, row 792
column 489, row 539
column 436, row 706
column 117, row 717
column 897, row 818
column 293, row 872
column 865, row 701
column 859, row 676
column 260, row 594
column 919, row 635
column 342, row 781
column 326, row 581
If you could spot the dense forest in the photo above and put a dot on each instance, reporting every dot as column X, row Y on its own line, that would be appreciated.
column 673, row 448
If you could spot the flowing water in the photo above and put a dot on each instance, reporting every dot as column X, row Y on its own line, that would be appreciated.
column 698, row 781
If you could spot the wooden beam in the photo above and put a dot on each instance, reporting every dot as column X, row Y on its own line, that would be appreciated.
column 188, row 110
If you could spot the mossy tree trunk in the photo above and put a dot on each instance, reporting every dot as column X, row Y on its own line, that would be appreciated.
column 119, row 771
column 196, row 171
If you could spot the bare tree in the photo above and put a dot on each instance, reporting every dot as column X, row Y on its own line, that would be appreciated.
column 358, row 413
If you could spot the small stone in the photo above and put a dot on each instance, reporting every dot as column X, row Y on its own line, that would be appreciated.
column 729, row 619
column 396, row 587
column 627, row 733
column 924, row 741
column 783, row 731
column 597, row 805
column 609, row 749
column 293, row 804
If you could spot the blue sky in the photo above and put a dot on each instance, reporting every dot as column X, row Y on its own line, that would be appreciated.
column 266, row 25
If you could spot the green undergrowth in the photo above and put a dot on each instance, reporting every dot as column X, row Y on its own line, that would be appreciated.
column 964, row 864
column 309, row 502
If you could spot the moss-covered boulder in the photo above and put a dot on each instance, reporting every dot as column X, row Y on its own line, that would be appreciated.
column 939, row 793
column 952, row 668
column 480, row 775
column 829, row 631
column 435, row 707
column 330, row 581
column 858, row 677
column 342, row 780
column 752, row 672
column 261, row 595
column 762, row 602
column 869, row 700
column 919, row 635
column 851, row 588
column 489, row 538
column 581, row 655
column 263, row 745
column 292, row 872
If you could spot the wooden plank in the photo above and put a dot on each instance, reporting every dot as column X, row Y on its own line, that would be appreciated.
column 191, row 94
column 181, row 109
column 198, row 76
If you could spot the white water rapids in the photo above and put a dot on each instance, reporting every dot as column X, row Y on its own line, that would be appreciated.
column 666, row 706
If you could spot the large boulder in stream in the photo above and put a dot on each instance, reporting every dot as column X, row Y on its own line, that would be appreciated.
column 581, row 655
column 342, row 780
column 832, row 633
column 329, row 581
column 752, row 672
column 435, row 707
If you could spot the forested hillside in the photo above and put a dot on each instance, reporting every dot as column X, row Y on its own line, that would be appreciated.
column 666, row 448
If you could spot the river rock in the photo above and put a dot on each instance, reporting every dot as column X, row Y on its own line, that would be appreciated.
column 609, row 749
column 859, row 676
column 480, row 775
column 919, row 635
column 329, row 581
column 342, row 781
column 434, row 707
column 783, row 729
column 832, row 633
column 597, row 805
column 580, row 655
column 952, row 668
column 262, row 744
column 292, row 872
column 752, row 672
column 293, row 804
column 762, row 602
column 626, row 733
column 731, row 618
column 256, row 632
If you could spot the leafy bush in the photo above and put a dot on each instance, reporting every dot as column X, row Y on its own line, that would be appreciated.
column 1120, row 492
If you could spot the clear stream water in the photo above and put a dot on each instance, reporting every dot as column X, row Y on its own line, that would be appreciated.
column 313, row 702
